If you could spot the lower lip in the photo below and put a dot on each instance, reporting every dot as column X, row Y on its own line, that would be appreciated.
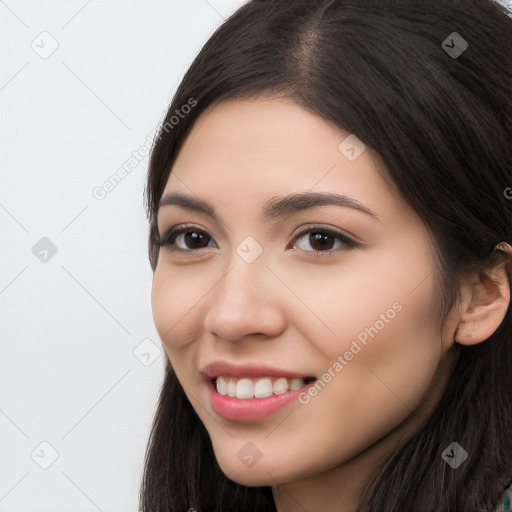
column 251, row 409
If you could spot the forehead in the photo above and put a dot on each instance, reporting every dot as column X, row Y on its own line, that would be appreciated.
column 248, row 150
column 274, row 125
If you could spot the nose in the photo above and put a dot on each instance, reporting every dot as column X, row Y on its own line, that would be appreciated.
column 246, row 301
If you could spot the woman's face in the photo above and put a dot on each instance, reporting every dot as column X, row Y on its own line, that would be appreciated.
column 262, row 283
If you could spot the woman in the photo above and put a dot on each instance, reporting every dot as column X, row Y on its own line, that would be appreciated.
column 330, row 226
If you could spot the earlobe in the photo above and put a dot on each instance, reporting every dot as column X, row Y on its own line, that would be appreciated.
column 485, row 301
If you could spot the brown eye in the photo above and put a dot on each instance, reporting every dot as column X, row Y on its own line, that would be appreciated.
column 320, row 241
column 188, row 239
column 323, row 241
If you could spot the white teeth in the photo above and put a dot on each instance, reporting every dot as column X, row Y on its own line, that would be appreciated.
column 244, row 388
column 256, row 388
column 231, row 388
column 263, row 388
column 296, row 384
column 280, row 386
column 222, row 386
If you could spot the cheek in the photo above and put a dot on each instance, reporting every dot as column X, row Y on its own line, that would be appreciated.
column 393, row 365
column 382, row 307
column 382, row 327
column 173, row 297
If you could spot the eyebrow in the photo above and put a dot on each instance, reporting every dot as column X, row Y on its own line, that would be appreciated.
column 275, row 207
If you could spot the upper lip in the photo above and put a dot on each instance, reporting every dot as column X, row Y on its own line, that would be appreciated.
column 222, row 368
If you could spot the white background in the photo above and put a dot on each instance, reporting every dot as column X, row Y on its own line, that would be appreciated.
column 72, row 325
column 69, row 326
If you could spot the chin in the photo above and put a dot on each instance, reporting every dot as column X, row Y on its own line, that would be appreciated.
column 257, row 475
column 261, row 474
column 250, row 478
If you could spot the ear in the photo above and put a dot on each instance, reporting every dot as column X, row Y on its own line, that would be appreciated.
column 485, row 300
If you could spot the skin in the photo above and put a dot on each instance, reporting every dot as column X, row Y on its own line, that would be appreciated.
column 298, row 312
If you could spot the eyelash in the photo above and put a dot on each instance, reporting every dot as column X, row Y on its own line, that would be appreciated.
column 170, row 236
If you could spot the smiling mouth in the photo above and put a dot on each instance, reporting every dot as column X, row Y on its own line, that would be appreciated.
column 245, row 388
